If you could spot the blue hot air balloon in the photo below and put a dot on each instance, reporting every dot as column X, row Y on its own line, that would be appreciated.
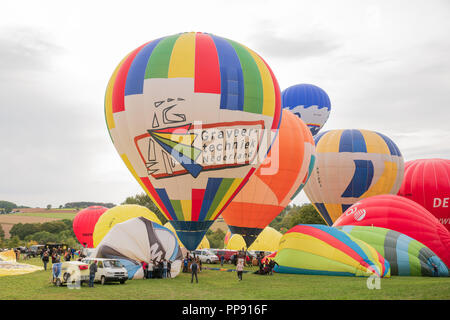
column 308, row 102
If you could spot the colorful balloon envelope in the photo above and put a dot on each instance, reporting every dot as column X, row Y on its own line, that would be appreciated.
column 308, row 102
column 352, row 165
column 406, row 256
column 139, row 239
column 427, row 182
column 402, row 215
column 275, row 183
column 84, row 224
column 119, row 214
column 323, row 250
column 188, row 114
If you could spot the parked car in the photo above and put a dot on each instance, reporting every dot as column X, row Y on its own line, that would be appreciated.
column 72, row 272
column 226, row 253
column 206, row 256
column 36, row 250
column 108, row 270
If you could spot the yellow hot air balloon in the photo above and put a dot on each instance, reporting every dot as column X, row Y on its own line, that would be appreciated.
column 119, row 214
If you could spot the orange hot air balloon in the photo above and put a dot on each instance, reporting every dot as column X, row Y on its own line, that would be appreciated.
column 277, row 181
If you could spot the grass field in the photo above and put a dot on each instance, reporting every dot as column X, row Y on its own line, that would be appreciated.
column 220, row 285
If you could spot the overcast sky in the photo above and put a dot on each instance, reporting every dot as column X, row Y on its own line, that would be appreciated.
column 384, row 64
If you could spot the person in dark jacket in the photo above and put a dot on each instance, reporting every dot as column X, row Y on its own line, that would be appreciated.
column 194, row 269
column 92, row 272
column 45, row 259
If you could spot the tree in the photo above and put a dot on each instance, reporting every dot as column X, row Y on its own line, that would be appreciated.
column 305, row 214
column 21, row 230
column 49, row 206
column 144, row 200
column 14, row 242
column 215, row 238
column 7, row 206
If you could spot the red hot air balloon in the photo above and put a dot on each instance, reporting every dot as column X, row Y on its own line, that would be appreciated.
column 427, row 182
column 84, row 224
column 401, row 215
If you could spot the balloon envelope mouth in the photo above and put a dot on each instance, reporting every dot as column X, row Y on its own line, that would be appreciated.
column 191, row 233
column 248, row 234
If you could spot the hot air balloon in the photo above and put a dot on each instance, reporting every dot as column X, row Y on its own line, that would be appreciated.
column 120, row 214
column 84, row 224
column 308, row 102
column 323, row 250
column 402, row 215
column 352, row 165
column 267, row 240
column 406, row 256
column 139, row 239
column 189, row 115
column 275, row 183
column 427, row 182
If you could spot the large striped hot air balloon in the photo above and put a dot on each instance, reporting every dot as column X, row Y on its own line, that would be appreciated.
column 275, row 184
column 427, row 182
column 352, row 165
column 187, row 113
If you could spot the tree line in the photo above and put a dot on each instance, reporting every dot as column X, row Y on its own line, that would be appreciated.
column 85, row 204
column 25, row 234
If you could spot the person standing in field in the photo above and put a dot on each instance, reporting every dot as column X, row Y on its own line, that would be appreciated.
column 45, row 260
column 169, row 267
column 150, row 269
column 92, row 271
column 240, row 267
column 164, row 268
column 194, row 269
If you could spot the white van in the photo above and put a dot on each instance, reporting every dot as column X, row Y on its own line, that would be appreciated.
column 108, row 270
column 206, row 256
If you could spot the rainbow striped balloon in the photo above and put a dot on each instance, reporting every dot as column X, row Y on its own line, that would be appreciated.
column 189, row 115
column 323, row 250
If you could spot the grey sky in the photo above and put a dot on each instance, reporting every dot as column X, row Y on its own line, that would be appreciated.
column 384, row 65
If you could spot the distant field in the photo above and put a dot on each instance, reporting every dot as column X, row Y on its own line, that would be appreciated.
column 34, row 215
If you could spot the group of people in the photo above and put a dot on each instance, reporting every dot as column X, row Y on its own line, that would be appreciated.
column 157, row 268
column 265, row 267
column 55, row 255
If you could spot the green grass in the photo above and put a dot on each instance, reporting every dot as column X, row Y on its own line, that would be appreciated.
column 54, row 215
column 220, row 285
